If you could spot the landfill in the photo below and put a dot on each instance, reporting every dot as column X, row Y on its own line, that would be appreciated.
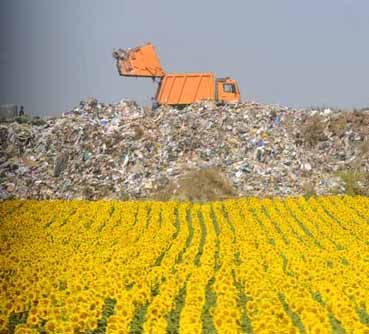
column 125, row 151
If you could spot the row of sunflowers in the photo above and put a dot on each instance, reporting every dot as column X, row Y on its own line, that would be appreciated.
column 238, row 266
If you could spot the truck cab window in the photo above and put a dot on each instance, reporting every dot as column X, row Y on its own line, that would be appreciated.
column 229, row 88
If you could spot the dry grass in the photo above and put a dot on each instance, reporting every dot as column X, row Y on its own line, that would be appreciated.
column 199, row 186
column 309, row 190
column 365, row 147
column 339, row 125
column 313, row 131
column 356, row 182
column 139, row 132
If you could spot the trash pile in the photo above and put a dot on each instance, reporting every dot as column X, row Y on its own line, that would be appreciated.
column 122, row 150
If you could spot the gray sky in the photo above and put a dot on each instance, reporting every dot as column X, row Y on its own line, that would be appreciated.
column 297, row 53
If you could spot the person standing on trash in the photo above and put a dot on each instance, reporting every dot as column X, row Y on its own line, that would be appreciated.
column 21, row 112
column 260, row 150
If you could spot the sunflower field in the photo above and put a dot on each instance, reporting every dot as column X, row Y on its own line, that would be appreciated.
column 237, row 266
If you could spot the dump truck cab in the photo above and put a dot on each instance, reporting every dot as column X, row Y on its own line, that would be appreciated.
column 226, row 90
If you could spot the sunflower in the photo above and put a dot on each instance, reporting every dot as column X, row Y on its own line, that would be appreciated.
column 91, row 323
column 218, row 322
column 31, row 296
column 59, row 328
column 291, row 329
column 9, row 307
column 112, row 327
column 50, row 326
column 69, row 302
column 83, row 315
column 18, row 307
column 82, row 324
column 23, row 329
column 318, row 328
column 251, row 306
column 68, row 329
column 3, row 321
column 74, row 319
column 32, row 320
column 43, row 312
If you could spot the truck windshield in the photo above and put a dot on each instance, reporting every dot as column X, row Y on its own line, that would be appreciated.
column 229, row 88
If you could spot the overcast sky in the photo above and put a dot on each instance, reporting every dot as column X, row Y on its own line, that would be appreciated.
column 296, row 53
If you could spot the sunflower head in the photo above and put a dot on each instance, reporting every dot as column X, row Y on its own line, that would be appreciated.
column 24, row 329
column 50, row 326
column 32, row 319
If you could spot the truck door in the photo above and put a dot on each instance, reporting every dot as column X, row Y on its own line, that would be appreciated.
column 227, row 91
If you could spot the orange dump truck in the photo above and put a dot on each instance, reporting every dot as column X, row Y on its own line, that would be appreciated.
column 175, row 88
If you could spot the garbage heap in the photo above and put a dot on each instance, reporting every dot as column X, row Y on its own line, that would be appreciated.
column 122, row 150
